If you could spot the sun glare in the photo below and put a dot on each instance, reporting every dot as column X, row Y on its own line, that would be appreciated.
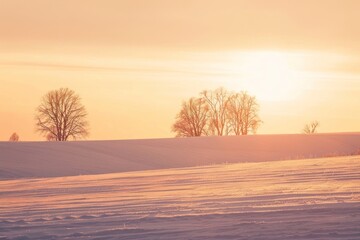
column 268, row 75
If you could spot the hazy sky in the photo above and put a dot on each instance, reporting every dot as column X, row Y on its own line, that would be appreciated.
column 133, row 62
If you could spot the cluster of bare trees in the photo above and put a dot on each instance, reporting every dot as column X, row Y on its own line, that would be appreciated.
column 218, row 112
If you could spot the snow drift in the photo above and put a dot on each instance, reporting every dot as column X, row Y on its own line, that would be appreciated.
column 55, row 159
column 296, row 200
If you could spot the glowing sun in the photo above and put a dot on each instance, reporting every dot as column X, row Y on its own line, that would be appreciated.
column 268, row 75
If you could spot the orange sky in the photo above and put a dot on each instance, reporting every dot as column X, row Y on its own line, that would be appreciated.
column 133, row 62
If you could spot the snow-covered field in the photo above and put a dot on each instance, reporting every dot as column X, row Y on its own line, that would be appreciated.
column 297, row 199
column 249, row 187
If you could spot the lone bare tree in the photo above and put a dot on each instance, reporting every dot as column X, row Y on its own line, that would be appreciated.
column 192, row 118
column 218, row 101
column 14, row 137
column 311, row 128
column 61, row 116
column 243, row 113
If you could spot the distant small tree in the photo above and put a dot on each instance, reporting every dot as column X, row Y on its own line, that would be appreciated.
column 50, row 136
column 14, row 137
column 61, row 116
column 192, row 118
column 311, row 128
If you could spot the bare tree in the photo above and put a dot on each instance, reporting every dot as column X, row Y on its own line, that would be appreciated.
column 243, row 113
column 217, row 101
column 62, row 116
column 311, row 128
column 14, row 137
column 192, row 118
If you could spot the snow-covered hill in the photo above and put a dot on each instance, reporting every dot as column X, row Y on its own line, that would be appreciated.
column 54, row 159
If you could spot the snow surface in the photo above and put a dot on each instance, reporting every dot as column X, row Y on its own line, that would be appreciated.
column 297, row 199
column 54, row 159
